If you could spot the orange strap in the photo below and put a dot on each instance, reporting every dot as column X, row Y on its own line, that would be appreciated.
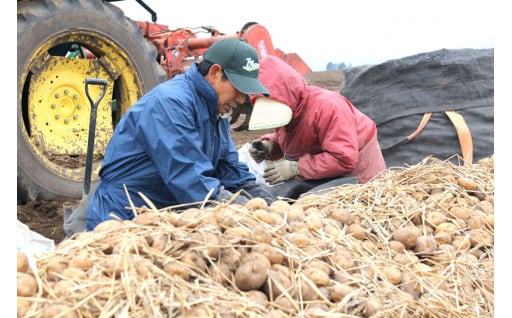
column 465, row 140
column 422, row 125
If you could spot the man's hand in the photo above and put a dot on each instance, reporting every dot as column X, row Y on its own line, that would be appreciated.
column 281, row 171
column 259, row 149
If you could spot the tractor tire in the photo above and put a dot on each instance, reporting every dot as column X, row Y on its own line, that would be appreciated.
column 46, row 30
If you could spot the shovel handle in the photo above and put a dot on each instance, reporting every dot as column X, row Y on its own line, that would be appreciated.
column 92, row 128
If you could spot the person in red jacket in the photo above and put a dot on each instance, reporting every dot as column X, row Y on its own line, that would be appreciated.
column 320, row 139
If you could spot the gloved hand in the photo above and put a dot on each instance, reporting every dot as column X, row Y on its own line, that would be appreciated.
column 281, row 171
column 259, row 149
column 225, row 195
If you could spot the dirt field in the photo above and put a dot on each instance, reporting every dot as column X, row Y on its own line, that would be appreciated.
column 46, row 217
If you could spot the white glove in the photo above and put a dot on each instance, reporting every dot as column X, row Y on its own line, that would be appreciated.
column 259, row 149
column 281, row 171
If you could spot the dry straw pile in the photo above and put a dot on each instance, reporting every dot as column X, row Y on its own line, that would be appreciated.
column 418, row 242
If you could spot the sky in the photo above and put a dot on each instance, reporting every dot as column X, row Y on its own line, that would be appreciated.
column 351, row 32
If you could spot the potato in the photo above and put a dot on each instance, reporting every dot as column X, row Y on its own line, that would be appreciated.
column 295, row 213
column 82, row 261
column 425, row 245
column 22, row 306
column 444, row 232
column 317, row 276
column 287, row 305
column 232, row 257
column 282, row 269
column 272, row 254
column 392, row 274
column 357, row 231
column 22, row 262
column 405, row 258
column 459, row 212
column 74, row 273
column 26, row 284
column 313, row 210
column 113, row 265
column 178, row 269
column 258, row 297
column 299, row 239
column 320, row 265
column 276, row 284
column 147, row 218
column 435, row 218
column 238, row 234
column 142, row 269
column 489, row 220
column 342, row 277
column 486, row 206
column 159, row 241
column 466, row 183
column 55, row 265
column 279, row 207
column 109, row 225
column 343, row 259
column 250, row 275
column 316, row 310
column 220, row 272
column 256, row 203
column 62, row 288
column 200, row 310
column 261, row 235
column 208, row 242
column 257, row 256
column 372, row 307
column 395, row 246
column 369, row 246
column 190, row 218
column 339, row 291
column 476, row 221
column 298, row 227
column 265, row 216
column 410, row 284
column 304, row 290
column 194, row 260
column 345, row 216
column 60, row 310
column 461, row 243
column 367, row 271
column 314, row 222
column 132, row 244
column 407, row 235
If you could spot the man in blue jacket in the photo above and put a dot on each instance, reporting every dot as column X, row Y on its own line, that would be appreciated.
column 174, row 144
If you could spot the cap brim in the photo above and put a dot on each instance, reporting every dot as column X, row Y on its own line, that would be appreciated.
column 268, row 113
column 246, row 84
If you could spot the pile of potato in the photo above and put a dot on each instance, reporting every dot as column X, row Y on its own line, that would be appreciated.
column 417, row 242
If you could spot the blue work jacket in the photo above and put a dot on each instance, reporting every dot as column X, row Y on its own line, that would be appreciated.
column 170, row 146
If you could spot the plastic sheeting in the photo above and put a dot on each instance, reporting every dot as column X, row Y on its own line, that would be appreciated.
column 396, row 94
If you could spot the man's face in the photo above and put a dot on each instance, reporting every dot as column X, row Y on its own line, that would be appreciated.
column 228, row 96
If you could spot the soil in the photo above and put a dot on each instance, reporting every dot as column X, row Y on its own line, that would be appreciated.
column 46, row 216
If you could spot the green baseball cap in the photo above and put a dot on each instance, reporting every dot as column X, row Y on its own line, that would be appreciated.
column 240, row 62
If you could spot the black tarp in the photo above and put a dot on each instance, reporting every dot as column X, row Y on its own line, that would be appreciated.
column 396, row 94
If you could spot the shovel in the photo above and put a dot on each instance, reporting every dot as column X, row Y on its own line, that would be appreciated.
column 92, row 129
column 75, row 215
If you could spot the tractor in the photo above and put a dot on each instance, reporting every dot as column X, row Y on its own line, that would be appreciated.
column 61, row 44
